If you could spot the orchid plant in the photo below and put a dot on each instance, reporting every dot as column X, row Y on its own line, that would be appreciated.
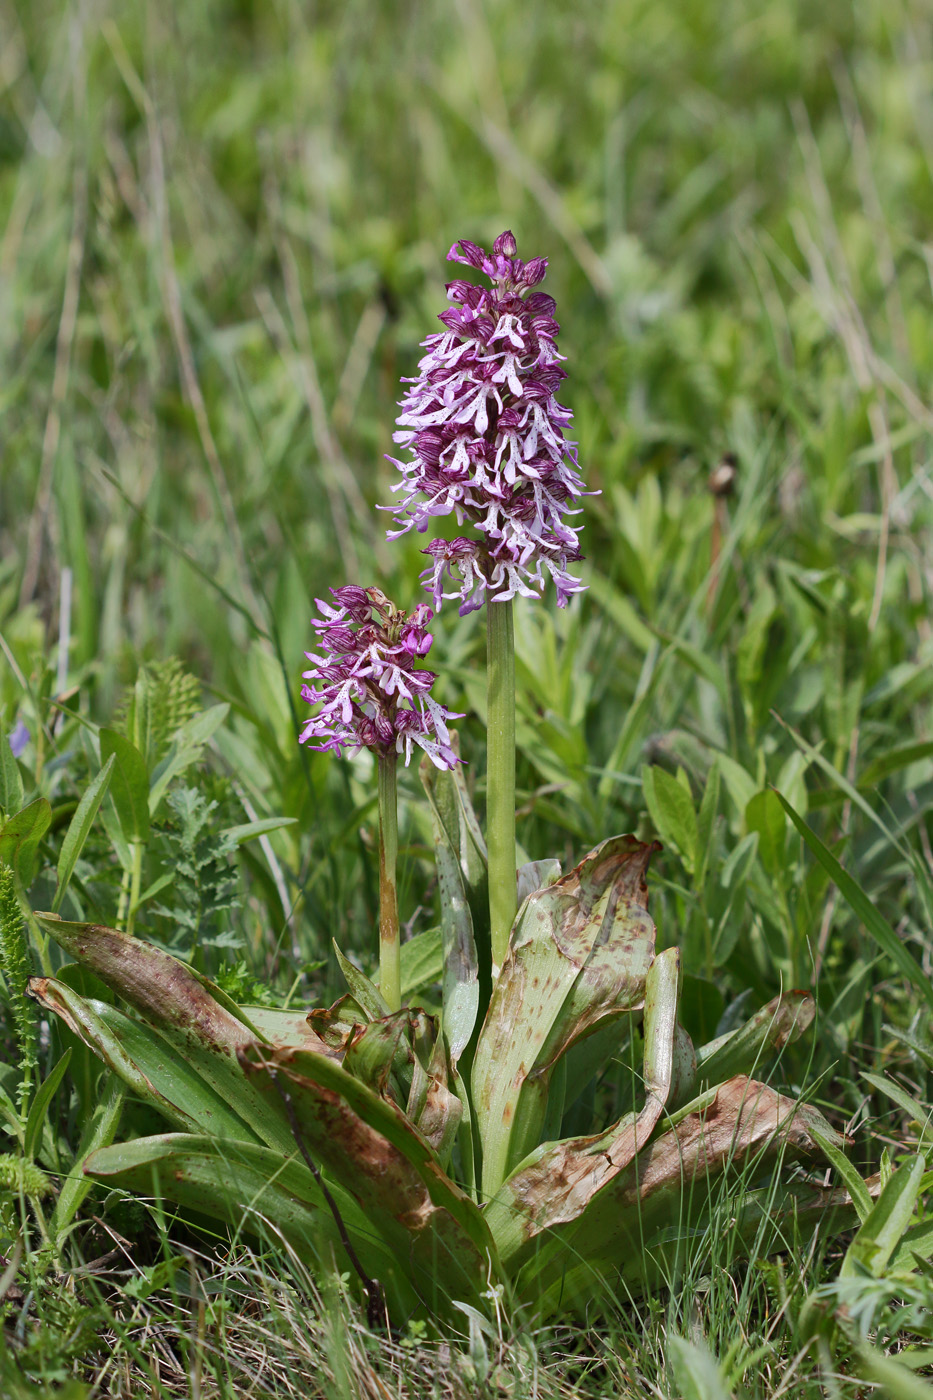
column 430, row 1150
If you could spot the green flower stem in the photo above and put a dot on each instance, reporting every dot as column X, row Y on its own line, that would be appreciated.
column 135, row 883
column 500, row 776
column 389, row 966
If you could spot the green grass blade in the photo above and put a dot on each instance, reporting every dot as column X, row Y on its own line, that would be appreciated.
column 877, row 926
column 887, row 1223
column 40, row 1107
column 129, row 784
column 79, row 829
column 99, row 1131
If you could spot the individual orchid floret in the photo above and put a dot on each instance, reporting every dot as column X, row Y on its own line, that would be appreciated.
column 485, row 438
column 366, row 681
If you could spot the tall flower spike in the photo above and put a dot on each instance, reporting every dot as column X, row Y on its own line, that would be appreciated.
column 485, row 438
column 370, row 692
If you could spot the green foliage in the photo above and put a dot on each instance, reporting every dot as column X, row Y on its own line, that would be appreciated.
column 733, row 202
column 15, row 969
column 377, row 1100
column 204, row 875
column 163, row 699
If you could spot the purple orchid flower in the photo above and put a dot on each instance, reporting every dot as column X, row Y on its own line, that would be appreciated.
column 371, row 693
column 485, row 438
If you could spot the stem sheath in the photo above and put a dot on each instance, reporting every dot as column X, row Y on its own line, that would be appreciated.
column 389, row 967
column 500, row 776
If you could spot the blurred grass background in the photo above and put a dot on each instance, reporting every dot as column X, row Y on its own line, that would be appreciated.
column 222, row 238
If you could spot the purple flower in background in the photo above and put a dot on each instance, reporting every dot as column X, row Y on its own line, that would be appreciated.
column 19, row 738
column 485, row 438
column 370, row 691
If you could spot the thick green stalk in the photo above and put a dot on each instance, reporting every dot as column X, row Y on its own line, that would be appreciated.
column 389, row 967
column 500, row 776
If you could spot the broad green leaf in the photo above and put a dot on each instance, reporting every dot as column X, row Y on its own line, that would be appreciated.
column 765, row 815
column 11, row 784
column 696, row 1373
column 579, row 955
column 129, row 784
column 888, row 1222
column 249, row 830
column 782, row 1021
column 458, row 860
column 257, row 1189
column 851, row 1179
column 740, row 785
column 145, row 1063
column 195, row 1018
column 555, row 1183
column 624, row 1235
column 919, row 1114
column 121, row 847
column 20, row 836
column 368, row 1143
column 915, row 1247
column 671, row 808
column 875, row 924
column 39, row 1108
column 186, row 749
column 363, row 992
column 99, row 1131
column 422, row 960
column 899, row 1382
column 79, row 829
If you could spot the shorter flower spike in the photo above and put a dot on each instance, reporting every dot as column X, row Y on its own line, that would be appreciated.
column 369, row 689
column 485, row 438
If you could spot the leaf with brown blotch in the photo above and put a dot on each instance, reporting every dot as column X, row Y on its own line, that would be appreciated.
column 144, row 1061
column 555, row 1185
column 369, row 1145
column 671, row 1181
column 257, row 1190
column 441, row 1111
column 782, row 1021
column 287, row 1028
column 198, row 1020
column 167, row 992
column 579, row 956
